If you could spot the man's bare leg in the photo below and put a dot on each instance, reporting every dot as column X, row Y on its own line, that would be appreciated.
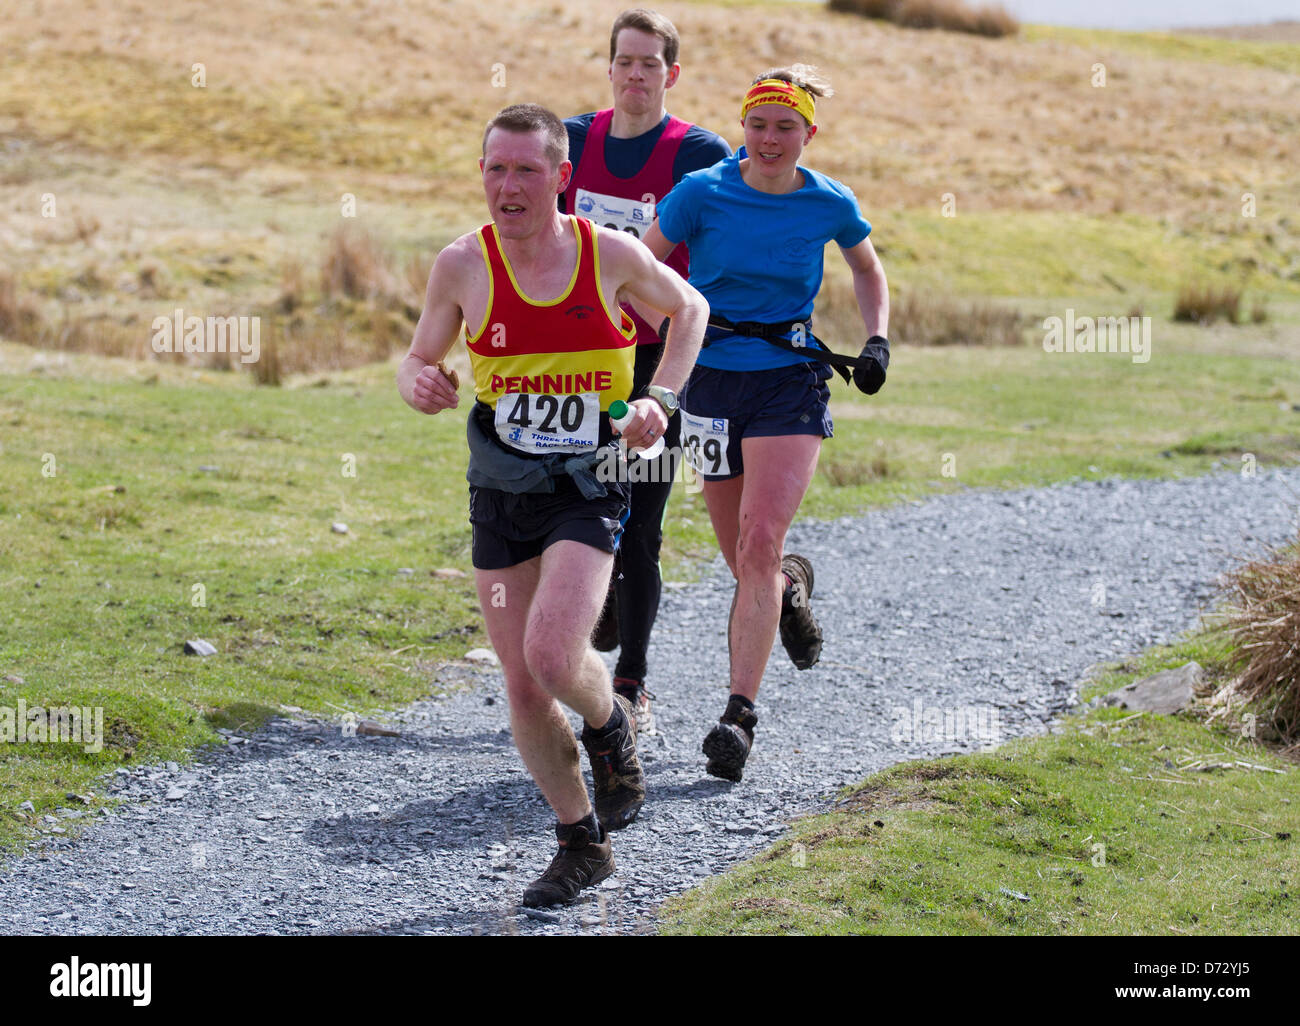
column 524, row 619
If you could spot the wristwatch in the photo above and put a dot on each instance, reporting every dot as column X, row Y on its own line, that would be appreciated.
column 665, row 397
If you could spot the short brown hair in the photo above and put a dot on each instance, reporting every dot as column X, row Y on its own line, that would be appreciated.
column 533, row 117
column 646, row 21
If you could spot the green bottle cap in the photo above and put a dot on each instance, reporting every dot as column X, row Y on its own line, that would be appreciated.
column 618, row 409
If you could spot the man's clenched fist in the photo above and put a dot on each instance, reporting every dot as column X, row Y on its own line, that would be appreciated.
column 435, row 389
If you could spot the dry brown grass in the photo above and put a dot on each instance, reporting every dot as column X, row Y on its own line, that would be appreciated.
column 1202, row 303
column 1264, row 623
column 848, row 472
column 916, row 318
column 20, row 317
column 313, row 98
column 1273, row 32
column 355, row 265
column 952, row 15
column 938, row 320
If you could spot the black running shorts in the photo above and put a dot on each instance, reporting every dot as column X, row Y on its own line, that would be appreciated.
column 721, row 408
column 511, row 529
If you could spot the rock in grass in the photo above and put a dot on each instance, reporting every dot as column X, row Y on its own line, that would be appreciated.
column 1165, row 692
column 27, row 807
column 482, row 655
column 199, row 647
column 338, row 527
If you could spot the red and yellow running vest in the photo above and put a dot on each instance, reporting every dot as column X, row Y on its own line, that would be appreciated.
column 548, row 369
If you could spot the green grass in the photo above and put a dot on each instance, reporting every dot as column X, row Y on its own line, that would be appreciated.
column 1052, row 253
column 1108, row 827
column 1283, row 57
column 100, row 585
column 101, row 560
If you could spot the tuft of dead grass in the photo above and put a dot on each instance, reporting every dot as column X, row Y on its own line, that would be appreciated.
column 1263, row 620
column 937, row 320
column 20, row 317
column 991, row 20
column 355, row 265
column 917, row 318
column 857, row 470
column 1204, row 303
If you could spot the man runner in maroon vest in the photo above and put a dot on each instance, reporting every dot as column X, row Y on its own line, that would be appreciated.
column 625, row 160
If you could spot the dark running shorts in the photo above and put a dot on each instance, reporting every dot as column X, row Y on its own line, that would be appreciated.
column 511, row 529
column 722, row 407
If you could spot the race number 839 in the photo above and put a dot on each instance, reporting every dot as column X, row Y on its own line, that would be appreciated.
column 704, row 442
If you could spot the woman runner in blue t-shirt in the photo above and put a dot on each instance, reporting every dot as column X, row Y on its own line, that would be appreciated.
column 754, row 412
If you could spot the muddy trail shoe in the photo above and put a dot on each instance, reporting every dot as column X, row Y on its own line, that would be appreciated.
column 639, row 699
column 800, row 634
column 605, row 637
column 727, row 745
column 616, row 770
column 580, row 862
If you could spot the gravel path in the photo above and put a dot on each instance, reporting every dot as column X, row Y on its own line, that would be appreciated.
column 984, row 606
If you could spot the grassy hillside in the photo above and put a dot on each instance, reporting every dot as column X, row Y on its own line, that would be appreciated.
column 225, row 198
column 165, row 193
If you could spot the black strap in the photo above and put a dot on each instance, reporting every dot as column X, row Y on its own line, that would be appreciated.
column 774, row 334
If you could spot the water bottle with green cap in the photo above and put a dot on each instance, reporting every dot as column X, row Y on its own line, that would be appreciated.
column 621, row 414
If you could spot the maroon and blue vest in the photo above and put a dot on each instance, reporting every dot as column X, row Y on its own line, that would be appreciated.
column 627, row 204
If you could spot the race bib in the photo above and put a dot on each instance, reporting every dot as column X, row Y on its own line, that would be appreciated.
column 704, row 440
column 624, row 215
column 537, row 422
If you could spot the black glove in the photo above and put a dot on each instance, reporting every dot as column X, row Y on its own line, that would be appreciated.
column 870, row 376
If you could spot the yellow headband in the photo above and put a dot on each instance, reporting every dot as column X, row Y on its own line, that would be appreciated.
column 774, row 90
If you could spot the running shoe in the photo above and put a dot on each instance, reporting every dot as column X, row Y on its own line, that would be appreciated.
column 616, row 770
column 639, row 699
column 605, row 637
column 580, row 862
column 800, row 634
column 727, row 745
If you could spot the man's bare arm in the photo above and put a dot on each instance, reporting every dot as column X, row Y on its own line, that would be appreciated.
column 658, row 245
column 421, row 380
column 650, row 285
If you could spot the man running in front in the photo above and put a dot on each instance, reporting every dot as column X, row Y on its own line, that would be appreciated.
column 538, row 293
column 625, row 160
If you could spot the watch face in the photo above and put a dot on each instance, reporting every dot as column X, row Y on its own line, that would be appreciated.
column 666, row 396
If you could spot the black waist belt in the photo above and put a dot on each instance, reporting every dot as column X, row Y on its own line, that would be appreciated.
column 774, row 334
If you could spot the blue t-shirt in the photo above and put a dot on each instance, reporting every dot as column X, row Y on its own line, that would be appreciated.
column 625, row 158
column 757, row 256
